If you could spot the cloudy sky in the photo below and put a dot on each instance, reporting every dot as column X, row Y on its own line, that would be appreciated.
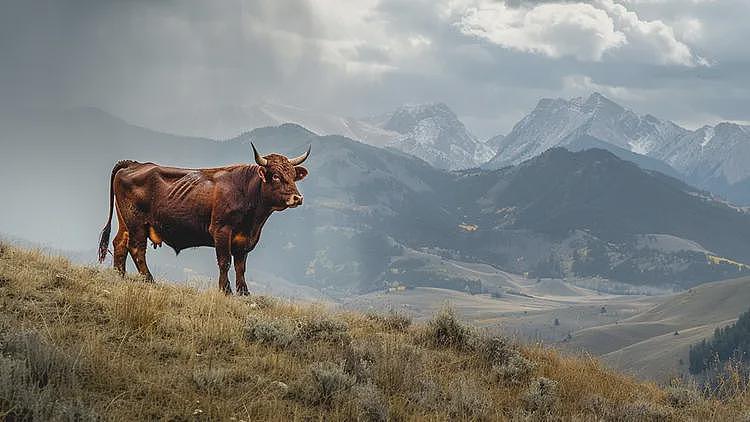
column 686, row 60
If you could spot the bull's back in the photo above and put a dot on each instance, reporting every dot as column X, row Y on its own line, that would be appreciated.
column 173, row 202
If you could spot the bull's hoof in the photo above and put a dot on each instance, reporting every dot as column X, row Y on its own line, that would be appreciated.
column 242, row 292
column 228, row 292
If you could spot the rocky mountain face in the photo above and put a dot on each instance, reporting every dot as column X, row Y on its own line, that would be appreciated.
column 710, row 157
column 495, row 142
column 434, row 133
column 714, row 158
column 553, row 121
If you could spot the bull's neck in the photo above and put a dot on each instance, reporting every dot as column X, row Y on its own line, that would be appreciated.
column 253, row 194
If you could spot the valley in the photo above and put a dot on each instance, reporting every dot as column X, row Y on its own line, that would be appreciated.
column 651, row 344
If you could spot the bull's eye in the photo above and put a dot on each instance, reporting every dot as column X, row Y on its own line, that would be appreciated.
column 276, row 178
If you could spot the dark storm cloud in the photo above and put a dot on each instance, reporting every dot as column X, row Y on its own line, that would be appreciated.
column 144, row 59
column 122, row 55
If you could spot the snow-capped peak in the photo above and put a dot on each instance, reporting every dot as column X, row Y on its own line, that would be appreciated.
column 554, row 122
column 433, row 132
column 708, row 134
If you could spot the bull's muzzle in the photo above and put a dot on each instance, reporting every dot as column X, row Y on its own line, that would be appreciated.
column 294, row 201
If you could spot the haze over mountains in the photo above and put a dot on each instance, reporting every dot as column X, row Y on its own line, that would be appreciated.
column 369, row 209
column 227, row 122
column 711, row 157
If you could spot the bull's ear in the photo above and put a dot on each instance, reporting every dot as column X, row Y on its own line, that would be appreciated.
column 300, row 173
column 261, row 173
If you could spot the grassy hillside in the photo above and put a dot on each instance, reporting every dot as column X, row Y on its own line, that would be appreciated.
column 80, row 343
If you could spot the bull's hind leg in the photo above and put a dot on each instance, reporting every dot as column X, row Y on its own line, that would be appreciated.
column 120, row 245
column 137, row 248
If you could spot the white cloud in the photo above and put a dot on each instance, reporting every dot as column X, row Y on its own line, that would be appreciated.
column 348, row 27
column 586, row 31
column 689, row 29
column 419, row 41
column 652, row 41
column 668, row 1
column 555, row 30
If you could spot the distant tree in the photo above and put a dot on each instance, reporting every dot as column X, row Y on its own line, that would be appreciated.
column 592, row 260
column 549, row 267
column 732, row 341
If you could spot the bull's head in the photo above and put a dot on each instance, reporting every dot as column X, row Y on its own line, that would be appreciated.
column 279, row 176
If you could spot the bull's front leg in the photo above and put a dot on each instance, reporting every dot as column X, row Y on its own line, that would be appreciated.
column 223, row 245
column 239, row 271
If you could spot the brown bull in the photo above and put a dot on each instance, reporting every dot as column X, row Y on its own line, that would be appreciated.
column 222, row 207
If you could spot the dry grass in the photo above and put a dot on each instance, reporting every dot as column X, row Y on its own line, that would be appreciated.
column 82, row 344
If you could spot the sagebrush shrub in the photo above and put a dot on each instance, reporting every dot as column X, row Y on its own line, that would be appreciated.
column 495, row 350
column 321, row 327
column 541, row 396
column 393, row 320
column 359, row 360
column 323, row 382
column 44, row 363
column 371, row 404
column 285, row 333
column 445, row 330
column 428, row 394
column 680, row 397
column 275, row 333
column 643, row 411
column 398, row 366
column 468, row 400
column 600, row 407
column 516, row 370
column 34, row 378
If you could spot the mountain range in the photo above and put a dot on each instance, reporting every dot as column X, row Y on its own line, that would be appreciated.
column 431, row 132
column 369, row 209
column 711, row 157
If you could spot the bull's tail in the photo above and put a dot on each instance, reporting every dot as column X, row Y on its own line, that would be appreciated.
column 104, row 237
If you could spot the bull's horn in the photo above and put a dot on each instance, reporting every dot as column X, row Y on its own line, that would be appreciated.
column 258, row 158
column 299, row 160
